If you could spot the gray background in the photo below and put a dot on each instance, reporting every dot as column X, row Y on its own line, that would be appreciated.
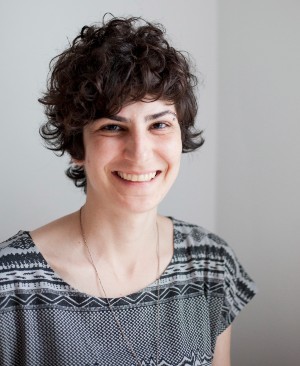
column 258, row 171
column 243, row 184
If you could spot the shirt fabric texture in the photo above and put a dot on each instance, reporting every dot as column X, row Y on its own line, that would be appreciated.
column 46, row 322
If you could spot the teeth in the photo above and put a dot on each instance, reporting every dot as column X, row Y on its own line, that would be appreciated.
column 137, row 177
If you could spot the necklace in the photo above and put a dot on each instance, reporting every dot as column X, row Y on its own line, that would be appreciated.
column 117, row 321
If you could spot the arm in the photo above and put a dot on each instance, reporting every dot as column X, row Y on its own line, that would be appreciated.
column 222, row 350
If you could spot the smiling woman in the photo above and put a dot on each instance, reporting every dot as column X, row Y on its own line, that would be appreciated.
column 132, row 159
column 114, row 283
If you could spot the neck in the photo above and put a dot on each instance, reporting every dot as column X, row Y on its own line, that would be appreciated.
column 120, row 239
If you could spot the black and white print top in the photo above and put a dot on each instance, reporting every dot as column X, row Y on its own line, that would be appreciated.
column 46, row 322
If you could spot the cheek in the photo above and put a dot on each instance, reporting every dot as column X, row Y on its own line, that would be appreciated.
column 95, row 150
column 100, row 155
column 173, row 152
column 175, row 148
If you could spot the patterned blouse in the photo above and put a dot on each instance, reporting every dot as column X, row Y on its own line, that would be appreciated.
column 46, row 322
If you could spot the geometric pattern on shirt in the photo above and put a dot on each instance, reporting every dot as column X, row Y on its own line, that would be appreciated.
column 202, row 290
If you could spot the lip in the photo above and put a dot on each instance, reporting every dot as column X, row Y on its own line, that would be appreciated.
column 139, row 183
column 137, row 173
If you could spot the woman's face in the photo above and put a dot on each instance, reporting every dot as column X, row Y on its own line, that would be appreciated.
column 132, row 159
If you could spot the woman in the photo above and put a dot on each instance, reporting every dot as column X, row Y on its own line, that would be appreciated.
column 115, row 283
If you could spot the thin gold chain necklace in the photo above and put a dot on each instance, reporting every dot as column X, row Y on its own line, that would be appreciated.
column 117, row 321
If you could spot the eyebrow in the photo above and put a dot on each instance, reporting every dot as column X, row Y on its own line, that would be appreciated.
column 147, row 118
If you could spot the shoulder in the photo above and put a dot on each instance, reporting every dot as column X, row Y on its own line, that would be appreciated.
column 214, row 257
column 51, row 236
column 18, row 253
column 196, row 238
column 191, row 240
column 15, row 248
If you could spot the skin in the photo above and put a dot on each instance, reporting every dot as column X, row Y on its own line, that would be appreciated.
column 135, row 141
column 120, row 217
column 222, row 349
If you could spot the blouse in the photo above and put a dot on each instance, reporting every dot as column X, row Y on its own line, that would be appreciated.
column 46, row 322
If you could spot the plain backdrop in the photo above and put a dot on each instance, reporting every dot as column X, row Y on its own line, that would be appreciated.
column 258, row 169
column 242, row 184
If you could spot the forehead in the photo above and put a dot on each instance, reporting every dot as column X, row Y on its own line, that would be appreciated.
column 148, row 108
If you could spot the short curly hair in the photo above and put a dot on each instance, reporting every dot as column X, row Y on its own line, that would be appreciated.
column 106, row 67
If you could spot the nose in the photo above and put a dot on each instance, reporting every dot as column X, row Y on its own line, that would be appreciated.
column 138, row 146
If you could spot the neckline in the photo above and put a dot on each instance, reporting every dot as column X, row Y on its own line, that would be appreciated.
column 74, row 290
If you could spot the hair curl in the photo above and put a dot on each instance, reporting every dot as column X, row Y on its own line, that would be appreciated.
column 106, row 67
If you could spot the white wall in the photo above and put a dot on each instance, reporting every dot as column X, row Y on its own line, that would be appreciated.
column 33, row 187
column 259, row 170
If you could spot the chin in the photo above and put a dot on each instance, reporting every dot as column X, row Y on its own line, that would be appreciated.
column 140, row 206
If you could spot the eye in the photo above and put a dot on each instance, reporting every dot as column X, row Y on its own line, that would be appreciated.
column 111, row 127
column 159, row 125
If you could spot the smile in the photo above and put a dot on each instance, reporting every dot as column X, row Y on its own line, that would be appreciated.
column 137, row 177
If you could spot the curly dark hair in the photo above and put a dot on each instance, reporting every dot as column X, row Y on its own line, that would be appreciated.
column 105, row 67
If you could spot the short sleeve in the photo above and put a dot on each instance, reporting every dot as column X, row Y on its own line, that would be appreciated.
column 238, row 289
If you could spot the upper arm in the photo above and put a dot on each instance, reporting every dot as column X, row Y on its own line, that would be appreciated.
column 222, row 349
